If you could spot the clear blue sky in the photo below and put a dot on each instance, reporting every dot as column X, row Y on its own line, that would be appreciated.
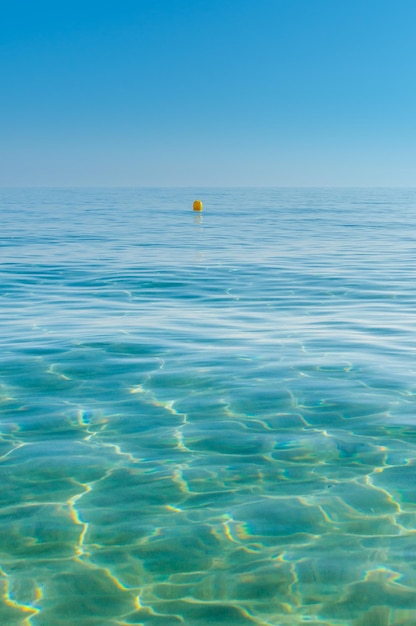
column 208, row 92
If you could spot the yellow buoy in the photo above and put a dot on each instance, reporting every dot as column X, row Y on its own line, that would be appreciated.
column 197, row 205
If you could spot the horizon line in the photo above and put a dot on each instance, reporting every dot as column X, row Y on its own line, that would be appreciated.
column 207, row 187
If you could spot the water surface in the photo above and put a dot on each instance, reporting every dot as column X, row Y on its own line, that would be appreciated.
column 208, row 419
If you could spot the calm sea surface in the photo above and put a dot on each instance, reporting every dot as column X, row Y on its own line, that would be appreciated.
column 208, row 418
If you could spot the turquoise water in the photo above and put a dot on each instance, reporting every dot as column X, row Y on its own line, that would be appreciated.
column 208, row 419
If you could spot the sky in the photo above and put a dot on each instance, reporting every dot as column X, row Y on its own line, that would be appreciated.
column 207, row 93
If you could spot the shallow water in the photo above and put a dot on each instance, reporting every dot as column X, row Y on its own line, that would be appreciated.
column 208, row 418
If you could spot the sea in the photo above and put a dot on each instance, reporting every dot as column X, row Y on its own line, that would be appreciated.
column 208, row 418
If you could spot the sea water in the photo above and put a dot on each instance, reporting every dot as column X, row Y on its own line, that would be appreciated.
column 208, row 418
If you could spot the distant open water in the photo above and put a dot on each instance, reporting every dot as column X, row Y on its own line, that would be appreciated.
column 208, row 418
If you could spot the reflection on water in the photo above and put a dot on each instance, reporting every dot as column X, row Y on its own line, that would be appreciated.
column 208, row 419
